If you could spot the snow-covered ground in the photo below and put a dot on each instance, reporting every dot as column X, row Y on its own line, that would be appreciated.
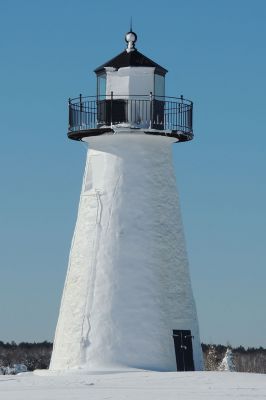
column 133, row 385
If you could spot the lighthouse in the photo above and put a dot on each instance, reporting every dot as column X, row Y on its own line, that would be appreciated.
column 127, row 300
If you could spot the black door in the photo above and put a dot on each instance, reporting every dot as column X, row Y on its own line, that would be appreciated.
column 111, row 111
column 157, row 116
column 183, row 350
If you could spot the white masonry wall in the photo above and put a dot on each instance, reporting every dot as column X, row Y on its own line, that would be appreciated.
column 128, row 284
column 131, row 81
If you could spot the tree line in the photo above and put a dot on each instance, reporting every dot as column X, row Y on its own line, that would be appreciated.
column 37, row 356
column 32, row 355
column 244, row 360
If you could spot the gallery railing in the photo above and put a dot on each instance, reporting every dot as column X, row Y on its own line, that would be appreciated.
column 141, row 111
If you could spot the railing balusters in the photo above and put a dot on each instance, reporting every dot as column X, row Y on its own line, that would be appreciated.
column 162, row 114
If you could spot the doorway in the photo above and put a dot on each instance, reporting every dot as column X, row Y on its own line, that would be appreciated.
column 183, row 350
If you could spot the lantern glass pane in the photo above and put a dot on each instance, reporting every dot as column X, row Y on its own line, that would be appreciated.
column 159, row 86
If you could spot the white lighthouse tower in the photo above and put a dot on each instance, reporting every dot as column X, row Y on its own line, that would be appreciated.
column 127, row 300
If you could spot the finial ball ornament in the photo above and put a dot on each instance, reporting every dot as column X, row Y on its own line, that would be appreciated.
column 131, row 37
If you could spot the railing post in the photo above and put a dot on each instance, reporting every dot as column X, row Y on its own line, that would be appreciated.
column 151, row 111
column 80, row 109
column 111, row 108
column 69, row 114
column 182, row 112
column 191, row 116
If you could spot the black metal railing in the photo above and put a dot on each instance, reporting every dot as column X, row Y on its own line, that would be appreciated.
column 146, row 112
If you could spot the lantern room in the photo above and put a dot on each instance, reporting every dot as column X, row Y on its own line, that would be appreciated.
column 130, row 95
column 130, row 74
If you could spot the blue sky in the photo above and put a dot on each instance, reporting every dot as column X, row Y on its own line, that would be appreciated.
column 215, row 54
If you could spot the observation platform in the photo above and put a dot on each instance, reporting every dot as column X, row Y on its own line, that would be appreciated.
column 154, row 115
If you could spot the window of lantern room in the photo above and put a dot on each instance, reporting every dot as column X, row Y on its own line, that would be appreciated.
column 159, row 88
column 158, row 102
column 101, row 86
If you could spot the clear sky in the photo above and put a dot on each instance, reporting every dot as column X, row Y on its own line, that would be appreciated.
column 215, row 54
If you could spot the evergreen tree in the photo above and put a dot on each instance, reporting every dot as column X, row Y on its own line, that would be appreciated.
column 227, row 363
